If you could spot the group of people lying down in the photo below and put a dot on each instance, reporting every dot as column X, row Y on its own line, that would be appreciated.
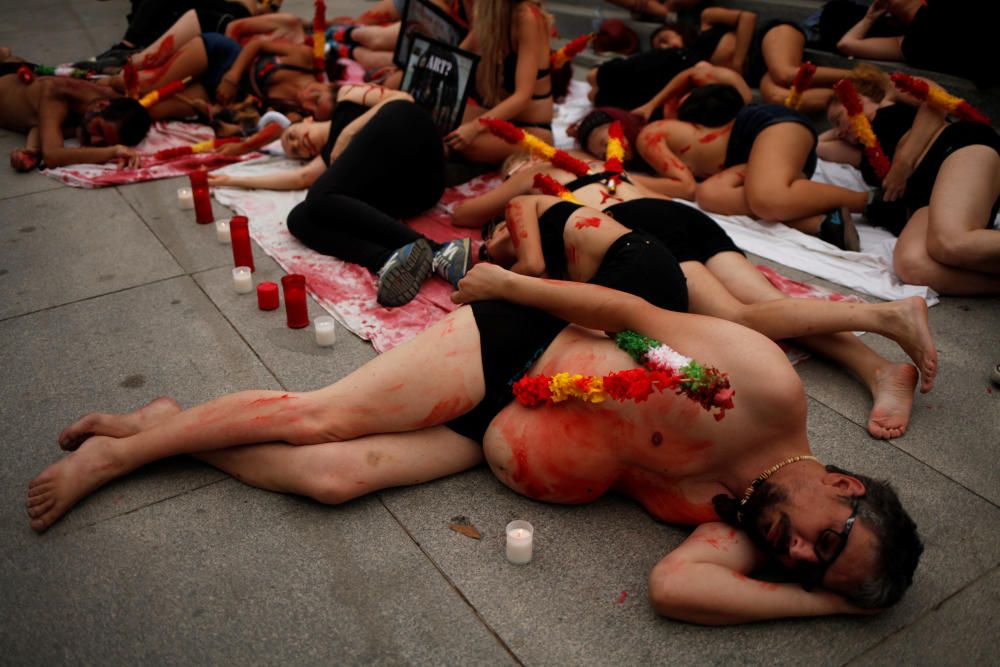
column 597, row 288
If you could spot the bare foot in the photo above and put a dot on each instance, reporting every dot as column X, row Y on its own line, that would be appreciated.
column 66, row 482
column 893, row 393
column 117, row 426
column 908, row 327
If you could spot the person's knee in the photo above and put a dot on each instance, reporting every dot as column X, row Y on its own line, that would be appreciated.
column 945, row 248
column 782, row 74
column 910, row 266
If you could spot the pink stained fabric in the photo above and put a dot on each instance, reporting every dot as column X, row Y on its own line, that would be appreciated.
column 161, row 135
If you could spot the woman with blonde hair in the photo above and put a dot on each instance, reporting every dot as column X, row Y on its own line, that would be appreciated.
column 513, row 77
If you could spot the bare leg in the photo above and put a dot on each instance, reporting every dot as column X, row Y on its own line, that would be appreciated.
column 117, row 426
column 775, row 189
column 891, row 384
column 185, row 29
column 377, row 38
column 914, row 265
column 334, row 473
column 371, row 59
column 961, row 203
column 392, row 393
column 489, row 149
column 782, row 49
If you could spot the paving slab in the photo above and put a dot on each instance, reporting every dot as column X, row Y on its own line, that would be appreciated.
column 112, row 353
column 68, row 244
column 955, row 428
column 194, row 246
column 14, row 184
column 231, row 575
column 291, row 354
column 567, row 606
column 960, row 631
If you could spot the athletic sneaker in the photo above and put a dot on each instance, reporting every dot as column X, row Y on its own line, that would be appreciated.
column 838, row 228
column 404, row 272
column 452, row 260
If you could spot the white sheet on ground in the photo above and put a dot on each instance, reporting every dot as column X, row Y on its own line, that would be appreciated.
column 869, row 271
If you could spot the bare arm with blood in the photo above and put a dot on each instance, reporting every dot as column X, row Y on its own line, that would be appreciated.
column 724, row 192
column 522, row 225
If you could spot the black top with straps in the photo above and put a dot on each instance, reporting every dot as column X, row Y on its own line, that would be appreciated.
column 550, row 228
column 343, row 115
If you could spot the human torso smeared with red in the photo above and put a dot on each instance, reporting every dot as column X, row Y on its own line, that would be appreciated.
column 667, row 453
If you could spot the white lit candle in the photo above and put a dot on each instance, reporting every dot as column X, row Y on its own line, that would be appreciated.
column 519, row 542
column 326, row 331
column 184, row 198
column 242, row 280
column 222, row 231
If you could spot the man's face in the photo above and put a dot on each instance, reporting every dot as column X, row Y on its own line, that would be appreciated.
column 788, row 524
column 95, row 130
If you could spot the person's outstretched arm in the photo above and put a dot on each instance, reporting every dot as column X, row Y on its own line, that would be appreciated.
column 856, row 42
column 298, row 179
column 741, row 22
column 704, row 580
column 700, row 74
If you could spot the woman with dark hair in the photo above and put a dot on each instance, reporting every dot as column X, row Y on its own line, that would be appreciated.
column 378, row 160
column 721, row 282
column 944, row 180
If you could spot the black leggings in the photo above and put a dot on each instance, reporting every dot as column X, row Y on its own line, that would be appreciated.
column 393, row 168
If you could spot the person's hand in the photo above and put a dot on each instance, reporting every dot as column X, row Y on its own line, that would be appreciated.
column 646, row 110
column 225, row 92
column 894, row 184
column 877, row 9
column 234, row 149
column 483, row 282
column 216, row 179
column 24, row 159
column 127, row 157
column 460, row 138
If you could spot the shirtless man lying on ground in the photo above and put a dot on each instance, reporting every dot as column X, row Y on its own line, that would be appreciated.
column 51, row 108
column 390, row 423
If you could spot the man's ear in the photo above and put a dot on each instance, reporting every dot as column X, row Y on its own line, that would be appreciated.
column 846, row 484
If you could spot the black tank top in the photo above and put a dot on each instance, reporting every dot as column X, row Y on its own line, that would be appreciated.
column 343, row 115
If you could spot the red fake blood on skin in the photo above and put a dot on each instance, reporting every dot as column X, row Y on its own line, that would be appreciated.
column 712, row 136
column 273, row 399
column 536, row 12
column 153, row 75
column 160, row 55
column 513, row 214
column 570, row 253
column 683, row 150
column 766, row 585
column 605, row 196
column 678, row 164
column 444, row 410
column 652, row 140
column 588, row 222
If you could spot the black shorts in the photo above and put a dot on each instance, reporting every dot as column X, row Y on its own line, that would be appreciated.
column 689, row 234
column 955, row 136
column 12, row 67
column 754, row 119
column 222, row 53
column 511, row 338
column 639, row 264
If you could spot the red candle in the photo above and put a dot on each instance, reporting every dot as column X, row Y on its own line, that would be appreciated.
column 240, row 235
column 296, row 310
column 202, row 197
column 267, row 296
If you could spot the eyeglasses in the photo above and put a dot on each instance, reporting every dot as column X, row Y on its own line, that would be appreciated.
column 828, row 548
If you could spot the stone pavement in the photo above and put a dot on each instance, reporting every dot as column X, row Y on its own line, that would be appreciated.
column 111, row 297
